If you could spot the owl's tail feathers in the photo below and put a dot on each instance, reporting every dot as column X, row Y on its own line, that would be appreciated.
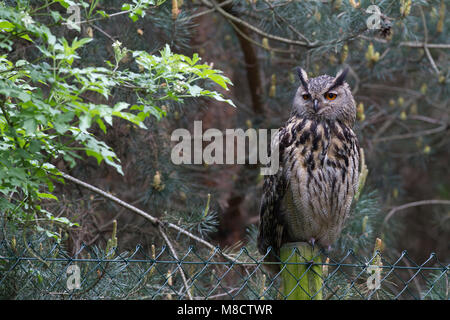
column 271, row 262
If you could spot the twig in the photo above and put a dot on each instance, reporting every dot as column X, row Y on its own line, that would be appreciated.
column 172, row 250
column 257, row 43
column 25, row 242
column 413, row 204
column 199, row 14
column 386, row 126
column 410, row 44
column 425, row 47
column 429, row 45
column 392, row 88
column 104, row 33
column 357, row 80
column 411, row 273
column 229, row 16
column 101, row 18
column 433, row 64
column 293, row 29
column 425, row 119
column 332, row 293
column 411, row 135
column 153, row 220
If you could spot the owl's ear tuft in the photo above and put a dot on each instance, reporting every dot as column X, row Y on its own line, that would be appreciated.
column 340, row 78
column 303, row 76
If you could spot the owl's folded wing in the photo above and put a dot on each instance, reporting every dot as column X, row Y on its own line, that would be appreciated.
column 271, row 222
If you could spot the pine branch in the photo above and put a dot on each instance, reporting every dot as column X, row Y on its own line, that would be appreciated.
column 155, row 221
column 235, row 19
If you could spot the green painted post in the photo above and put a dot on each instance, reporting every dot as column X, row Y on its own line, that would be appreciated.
column 298, row 276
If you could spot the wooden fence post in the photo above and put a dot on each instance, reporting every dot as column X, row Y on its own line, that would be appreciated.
column 301, row 281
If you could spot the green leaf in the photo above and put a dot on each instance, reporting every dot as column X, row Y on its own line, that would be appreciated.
column 85, row 122
column 62, row 122
column 30, row 126
column 220, row 80
column 6, row 26
column 134, row 17
column 120, row 106
column 15, row 93
column 47, row 196
column 101, row 124
column 195, row 90
column 126, row 7
column 26, row 37
column 49, row 234
column 55, row 15
column 79, row 43
column 103, row 13
column 66, row 3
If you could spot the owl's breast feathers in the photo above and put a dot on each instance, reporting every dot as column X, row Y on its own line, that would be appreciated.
column 311, row 194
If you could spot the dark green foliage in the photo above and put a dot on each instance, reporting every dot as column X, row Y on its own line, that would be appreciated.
column 48, row 112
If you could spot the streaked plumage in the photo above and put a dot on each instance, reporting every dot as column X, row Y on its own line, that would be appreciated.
column 309, row 198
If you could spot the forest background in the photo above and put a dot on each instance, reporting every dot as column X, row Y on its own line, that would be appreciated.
column 98, row 98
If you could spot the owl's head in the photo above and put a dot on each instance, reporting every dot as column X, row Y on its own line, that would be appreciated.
column 325, row 98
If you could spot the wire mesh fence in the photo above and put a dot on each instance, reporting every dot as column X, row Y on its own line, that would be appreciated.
column 90, row 273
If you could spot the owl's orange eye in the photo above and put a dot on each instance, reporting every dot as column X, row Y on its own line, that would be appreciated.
column 330, row 96
column 306, row 96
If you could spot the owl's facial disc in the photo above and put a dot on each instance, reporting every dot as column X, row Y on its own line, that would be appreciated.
column 324, row 98
column 318, row 102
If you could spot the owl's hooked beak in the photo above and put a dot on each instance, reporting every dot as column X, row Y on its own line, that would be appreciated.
column 316, row 105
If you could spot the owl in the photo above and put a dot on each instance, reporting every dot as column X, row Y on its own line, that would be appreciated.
column 309, row 198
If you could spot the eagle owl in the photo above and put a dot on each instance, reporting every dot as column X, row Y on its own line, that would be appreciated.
column 309, row 198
